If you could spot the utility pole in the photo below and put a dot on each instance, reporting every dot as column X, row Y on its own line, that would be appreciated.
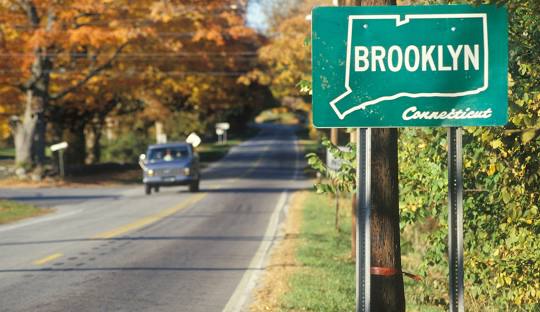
column 387, row 291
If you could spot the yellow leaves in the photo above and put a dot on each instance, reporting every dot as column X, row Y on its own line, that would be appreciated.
column 4, row 129
column 114, row 24
column 491, row 170
column 94, row 80
column 412, row 206
column 255, row 75
column 244, row 79
column 8, row 33
column 174, row 46
column 160, row 11
column 496, row 143
column 536, row 291
column 528, row 135
column 511, row 84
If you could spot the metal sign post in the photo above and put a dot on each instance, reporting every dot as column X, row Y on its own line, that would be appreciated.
column 410, row 66
column 363, row 229
column 455, row 219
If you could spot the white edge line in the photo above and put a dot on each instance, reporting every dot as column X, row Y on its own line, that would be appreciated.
column 247, row 284
column 400, row 22
column 242, row 292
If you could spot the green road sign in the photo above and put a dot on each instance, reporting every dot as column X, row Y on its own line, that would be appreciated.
column 410, row 66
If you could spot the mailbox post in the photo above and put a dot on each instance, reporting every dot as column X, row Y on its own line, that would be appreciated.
column 222, row 128
column 60, row 147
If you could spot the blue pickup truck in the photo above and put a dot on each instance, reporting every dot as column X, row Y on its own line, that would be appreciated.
column 170, row 164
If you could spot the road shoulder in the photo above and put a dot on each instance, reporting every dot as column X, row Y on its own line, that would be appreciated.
column 282, row 264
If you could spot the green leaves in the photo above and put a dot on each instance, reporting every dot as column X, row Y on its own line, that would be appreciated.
column 340, row 181
column 528, row 135
column 304, row 86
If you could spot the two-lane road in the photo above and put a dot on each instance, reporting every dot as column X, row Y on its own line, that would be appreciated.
column 115, row 249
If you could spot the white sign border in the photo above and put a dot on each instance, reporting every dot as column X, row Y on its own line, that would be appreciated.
column 400, row 22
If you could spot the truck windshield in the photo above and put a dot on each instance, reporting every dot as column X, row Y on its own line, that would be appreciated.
column 168, row 153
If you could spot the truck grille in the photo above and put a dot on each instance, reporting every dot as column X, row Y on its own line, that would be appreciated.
column 166, row 172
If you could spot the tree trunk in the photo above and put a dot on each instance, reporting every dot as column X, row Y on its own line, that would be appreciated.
column 23, row 133
column 30, row 133
column 93, row 136
column 38, row 148
column 387, row 292
column 40, row 89
column 334, row 136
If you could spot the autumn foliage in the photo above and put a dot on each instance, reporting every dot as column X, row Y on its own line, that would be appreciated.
column 66, row 67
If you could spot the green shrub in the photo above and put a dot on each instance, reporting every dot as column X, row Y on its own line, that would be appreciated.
column 126, row 148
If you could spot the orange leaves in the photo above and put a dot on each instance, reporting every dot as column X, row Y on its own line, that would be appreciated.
column 286, row 58
column 210, row 33
column 179, row 51
column 239, row 32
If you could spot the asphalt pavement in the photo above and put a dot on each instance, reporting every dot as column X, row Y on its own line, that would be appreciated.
column 116, row 249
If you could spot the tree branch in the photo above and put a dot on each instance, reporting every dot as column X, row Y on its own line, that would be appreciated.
column 519, row 131
column 31, row 12
column 92, row 73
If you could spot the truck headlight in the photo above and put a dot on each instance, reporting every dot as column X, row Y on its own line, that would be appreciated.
column 187, row 171
column 150, row 172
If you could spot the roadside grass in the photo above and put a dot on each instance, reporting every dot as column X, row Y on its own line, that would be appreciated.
column 311, row 270
column 211, row 152
column 12, row 211
column 7, row 156
column 325, row 281
column 7, row 152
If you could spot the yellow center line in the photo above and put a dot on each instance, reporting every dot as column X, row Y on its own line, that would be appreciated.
column 150, row 219
column 48, row 259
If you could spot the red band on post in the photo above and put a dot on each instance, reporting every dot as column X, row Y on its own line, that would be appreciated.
column 384, row 271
